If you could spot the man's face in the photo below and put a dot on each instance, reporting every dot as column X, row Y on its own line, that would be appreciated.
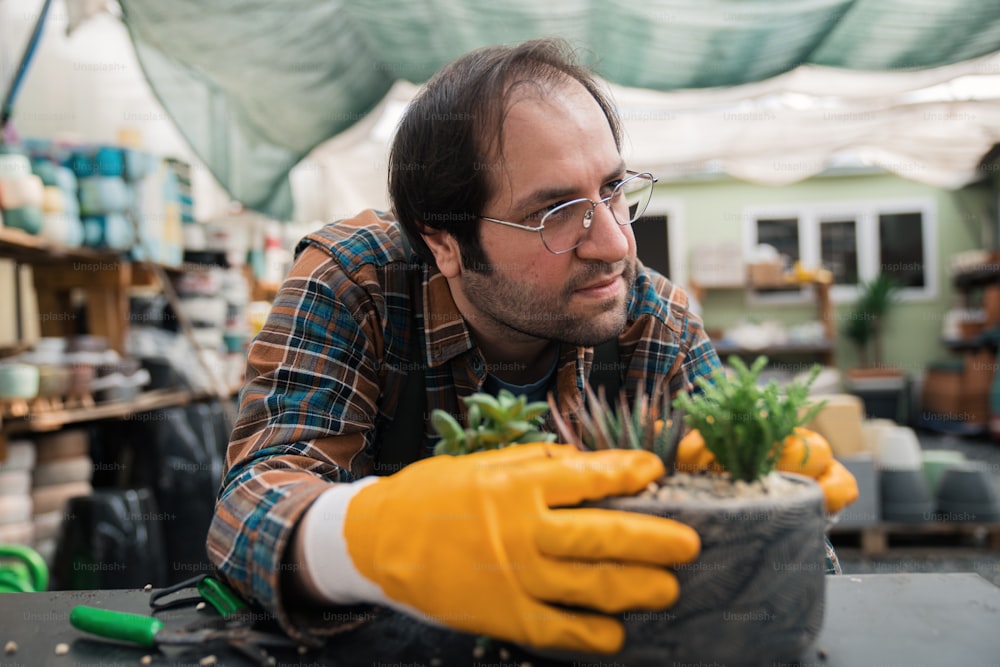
column 557, row 147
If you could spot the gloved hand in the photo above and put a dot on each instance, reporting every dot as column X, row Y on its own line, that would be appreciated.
column 474, row 543
column 806, row 453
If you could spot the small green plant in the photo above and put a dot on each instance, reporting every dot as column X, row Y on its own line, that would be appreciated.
column 864, row 328
column 493, row 422
column 743, row 423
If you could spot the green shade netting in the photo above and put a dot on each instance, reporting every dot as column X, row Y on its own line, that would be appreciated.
column 255, row 85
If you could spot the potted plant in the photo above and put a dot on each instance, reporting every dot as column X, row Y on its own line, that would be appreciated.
column 864, row 326
column 880, row 386
column 755, row 594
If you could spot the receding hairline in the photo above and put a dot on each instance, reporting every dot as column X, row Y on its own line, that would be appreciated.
column 520, row 90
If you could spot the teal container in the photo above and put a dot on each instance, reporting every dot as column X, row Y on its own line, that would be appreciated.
column 936, row 462
column 25, row 218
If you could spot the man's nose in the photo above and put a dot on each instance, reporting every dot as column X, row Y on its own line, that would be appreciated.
column 606, row 239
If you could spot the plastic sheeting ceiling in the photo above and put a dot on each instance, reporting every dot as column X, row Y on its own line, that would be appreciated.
column 255, row 85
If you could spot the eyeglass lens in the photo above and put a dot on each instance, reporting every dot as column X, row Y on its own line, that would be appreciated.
column 565, row 227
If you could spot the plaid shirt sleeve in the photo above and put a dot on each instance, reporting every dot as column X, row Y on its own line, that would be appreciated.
column 306, row 420
column 665, row 340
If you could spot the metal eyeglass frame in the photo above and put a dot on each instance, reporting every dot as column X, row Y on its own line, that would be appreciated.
column 588, row 218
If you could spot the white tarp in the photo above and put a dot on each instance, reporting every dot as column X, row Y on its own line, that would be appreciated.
column 930, row 125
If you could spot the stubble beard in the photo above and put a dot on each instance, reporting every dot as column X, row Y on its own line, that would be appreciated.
column 512, row 305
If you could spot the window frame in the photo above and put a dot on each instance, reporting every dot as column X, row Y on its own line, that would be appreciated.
column 866, row 214
column 673, row 209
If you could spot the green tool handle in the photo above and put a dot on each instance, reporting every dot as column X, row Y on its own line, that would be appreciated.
column 122, row 625
column 220, row 596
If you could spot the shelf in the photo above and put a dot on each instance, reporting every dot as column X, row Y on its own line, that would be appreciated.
column 798, row 348
column 145, row 402
column 877, row 538
column 982, row 275
column 825, row 350
column 989, row 339
column 23, row 247
column 20, row 246
column 104, row 277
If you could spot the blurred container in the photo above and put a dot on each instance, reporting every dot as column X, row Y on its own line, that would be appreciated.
column 86, row 343
column 867, row 509
column 18, row 381
column 936, row 462
column 81, row 380
column 905, row 496
column 899, row 449
column 968, row 492
column 53, row 381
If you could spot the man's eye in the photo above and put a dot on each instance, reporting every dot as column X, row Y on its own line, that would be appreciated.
column 541, row 213
column 610, row 186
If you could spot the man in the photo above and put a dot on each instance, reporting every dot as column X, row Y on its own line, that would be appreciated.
column 518, row 258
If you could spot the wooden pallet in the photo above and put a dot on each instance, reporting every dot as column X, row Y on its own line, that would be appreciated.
column 877, row 539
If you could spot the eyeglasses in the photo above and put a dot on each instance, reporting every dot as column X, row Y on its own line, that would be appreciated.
column 560, row 226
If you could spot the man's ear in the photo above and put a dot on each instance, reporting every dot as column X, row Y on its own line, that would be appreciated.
column 445, row 250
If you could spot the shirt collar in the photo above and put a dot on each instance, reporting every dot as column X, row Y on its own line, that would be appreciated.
column 447, row 336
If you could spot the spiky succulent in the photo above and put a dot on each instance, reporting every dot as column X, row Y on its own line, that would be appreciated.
column 640, row 426
column 743, row 422
column 493, row 422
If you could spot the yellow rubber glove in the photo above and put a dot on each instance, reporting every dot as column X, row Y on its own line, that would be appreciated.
column 806, row 453
column 474, row 542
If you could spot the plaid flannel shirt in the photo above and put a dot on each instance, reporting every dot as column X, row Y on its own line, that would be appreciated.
column 325, row 372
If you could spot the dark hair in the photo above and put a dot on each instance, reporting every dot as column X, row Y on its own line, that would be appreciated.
column 438, row 166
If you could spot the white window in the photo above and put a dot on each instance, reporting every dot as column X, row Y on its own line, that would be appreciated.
column 659, row 238
column 855, row 240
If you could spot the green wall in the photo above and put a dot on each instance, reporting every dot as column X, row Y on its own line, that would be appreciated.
column 713, row 209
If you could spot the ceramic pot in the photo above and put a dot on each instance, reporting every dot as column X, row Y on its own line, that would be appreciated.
column 21, row 455
column 755, row 594
column 905, row 496
column 53, row 381
column 65, row 443
column 18, row 381
column 968, row 492
column 874, row 430
column 936, row 462
column 87, row 343
column 15, row 482
column 49, row 350
column 123, row 365
column 62, row 228
column 80, row 380
column 899, row 449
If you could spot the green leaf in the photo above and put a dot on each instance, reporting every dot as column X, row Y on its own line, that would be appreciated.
column 475, row 416
column 533, row 411
column 537, row 436
column 446, row 425
column 491, row 408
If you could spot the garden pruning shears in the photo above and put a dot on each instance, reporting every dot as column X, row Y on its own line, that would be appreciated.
column 234, row 628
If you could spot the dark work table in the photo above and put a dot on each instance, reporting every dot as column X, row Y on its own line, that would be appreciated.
column 917, row 620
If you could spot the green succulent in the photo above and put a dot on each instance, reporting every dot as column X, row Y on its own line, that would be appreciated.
column 493, row 422
column 744, row 424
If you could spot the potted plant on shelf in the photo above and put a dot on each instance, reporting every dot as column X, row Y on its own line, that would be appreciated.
column 755, row 594
column 881, row 386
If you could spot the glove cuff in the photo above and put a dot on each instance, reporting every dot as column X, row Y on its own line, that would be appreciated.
column 325, row 549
